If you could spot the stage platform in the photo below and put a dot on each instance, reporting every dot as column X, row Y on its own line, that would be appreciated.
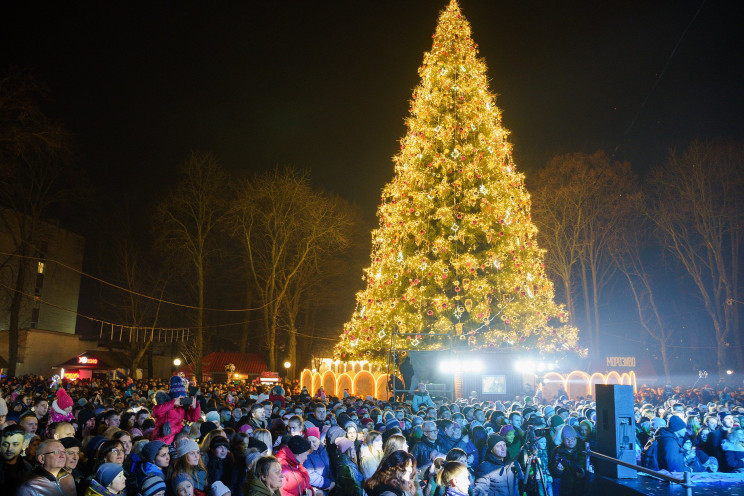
column 717, row 484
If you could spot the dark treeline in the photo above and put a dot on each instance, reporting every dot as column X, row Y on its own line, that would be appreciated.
column 651, row 266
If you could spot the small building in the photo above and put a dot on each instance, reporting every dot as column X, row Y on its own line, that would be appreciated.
column 93, row 363
column 247, row 366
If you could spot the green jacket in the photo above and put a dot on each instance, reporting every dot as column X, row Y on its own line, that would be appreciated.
column 253, row 486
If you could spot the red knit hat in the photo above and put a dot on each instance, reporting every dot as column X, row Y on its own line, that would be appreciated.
column 63, row 399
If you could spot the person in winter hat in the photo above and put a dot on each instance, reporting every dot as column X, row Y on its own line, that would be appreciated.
column 170, row 413
column 61, row 408
column 108, row 481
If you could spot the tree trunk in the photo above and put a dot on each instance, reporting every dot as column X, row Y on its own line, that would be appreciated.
column 665, row 360
column 587, row 310
column 200, row 327
column 595, row 305
column 569, row 301
column 246, row 328
column 15, row 315
column 150, row 371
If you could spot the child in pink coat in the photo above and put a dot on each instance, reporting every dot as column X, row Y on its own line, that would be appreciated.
column 61, row 408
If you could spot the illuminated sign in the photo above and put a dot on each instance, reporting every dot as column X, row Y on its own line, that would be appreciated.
column 621, row 362
column 87, row 361
column 72, row 376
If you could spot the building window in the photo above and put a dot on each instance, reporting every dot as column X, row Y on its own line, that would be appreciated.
column 40, row 269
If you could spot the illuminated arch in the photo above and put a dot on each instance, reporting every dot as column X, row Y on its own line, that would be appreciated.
column 357, row 366
column 552, row 382
column 613, row 378
column 633, row 381
column 625, row 379
column 578, row 383
column 316, row 383
column 363, row 384
column 306, row 380
column 329, row 383
column 596, row 378
column 343, row 382
column 381, row 388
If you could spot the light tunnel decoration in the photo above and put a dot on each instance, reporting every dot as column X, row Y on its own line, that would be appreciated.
column 580, row 384
column 359, row 382
column 363, row 382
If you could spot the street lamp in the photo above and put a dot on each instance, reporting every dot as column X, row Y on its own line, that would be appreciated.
column 177, row 362
column 287, row 365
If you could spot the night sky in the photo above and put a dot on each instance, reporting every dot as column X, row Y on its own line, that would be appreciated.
column 325, row 85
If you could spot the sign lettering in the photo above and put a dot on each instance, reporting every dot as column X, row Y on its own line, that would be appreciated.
column 621, row 361
column 87, row 361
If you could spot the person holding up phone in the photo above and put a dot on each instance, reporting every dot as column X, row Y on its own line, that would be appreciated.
column 172, row 409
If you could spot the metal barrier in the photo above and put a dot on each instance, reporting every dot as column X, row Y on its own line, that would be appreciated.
column 686, row 483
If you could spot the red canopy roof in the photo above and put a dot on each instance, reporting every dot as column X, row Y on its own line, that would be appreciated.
column 245, row 363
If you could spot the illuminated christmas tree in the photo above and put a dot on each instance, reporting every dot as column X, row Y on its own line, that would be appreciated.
column 456, row 250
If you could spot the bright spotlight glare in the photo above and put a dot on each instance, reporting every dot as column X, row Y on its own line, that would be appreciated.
column 551, row 366
column 540, row 367
column 729, row 372
column 456, row 366
column 177, row 362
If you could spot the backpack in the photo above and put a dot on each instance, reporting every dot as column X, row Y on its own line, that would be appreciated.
column 649, row 458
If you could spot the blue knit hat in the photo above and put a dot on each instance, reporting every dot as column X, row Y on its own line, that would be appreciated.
column 152, row 485
column 179, row 479
column 107, row 472
column 177, row 387
column 150, row 450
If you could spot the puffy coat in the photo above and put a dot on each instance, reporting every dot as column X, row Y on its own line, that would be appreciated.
column 669, row 451
column 296, row 479
column 733, row 456
column 496, row 478
column 42, row 483
column 174, row 415
column 422, row 452
column 318, row 467
column 368, row 461
column 254, row 486
column 420, row 399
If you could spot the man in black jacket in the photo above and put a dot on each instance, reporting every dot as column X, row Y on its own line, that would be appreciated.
column 496, row 476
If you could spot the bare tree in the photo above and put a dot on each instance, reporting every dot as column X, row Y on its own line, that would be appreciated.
column 187, row 222
column 580, row 200
column 698, row 212
column 285, row 227
column 632, row 238
column 34, row 181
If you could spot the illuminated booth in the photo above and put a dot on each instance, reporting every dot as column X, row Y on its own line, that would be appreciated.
column 91, row 364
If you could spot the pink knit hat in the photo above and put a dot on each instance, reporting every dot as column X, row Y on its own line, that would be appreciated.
column 63, row 399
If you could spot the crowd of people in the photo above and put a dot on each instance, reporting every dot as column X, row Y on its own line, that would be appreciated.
column 156, row 437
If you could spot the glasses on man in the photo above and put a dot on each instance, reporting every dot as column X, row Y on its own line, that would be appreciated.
column 430, row 431
column 54, row 452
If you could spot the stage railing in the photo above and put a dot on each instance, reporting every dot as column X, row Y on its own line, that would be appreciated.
column 682, row 482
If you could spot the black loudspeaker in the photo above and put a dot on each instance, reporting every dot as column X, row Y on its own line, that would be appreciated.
column 615, row 430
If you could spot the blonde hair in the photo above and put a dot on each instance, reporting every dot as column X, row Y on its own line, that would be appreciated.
column 265, row 437
column 451, row 471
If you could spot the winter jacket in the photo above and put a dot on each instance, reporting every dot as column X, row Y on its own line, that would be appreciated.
column 173, row 415
column 733, row 456
column 496, row 478
column 444, row 442
column 420, row 399
column 11, row 476
column 368, row 461
column 669, row 452
column 57, row 414
column 296, row 479
column 221, row 469
column 96, row 489
column 146, row 470
column 573, row 477
column 318, row 467
column 422, row 452
column 42, row 483
column 385, row 490
column 349, row 478
column 253, row 486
